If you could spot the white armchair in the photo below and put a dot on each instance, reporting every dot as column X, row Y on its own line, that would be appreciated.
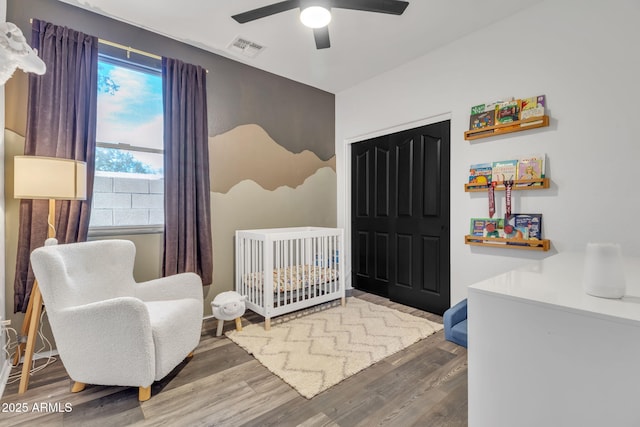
column 110, row 330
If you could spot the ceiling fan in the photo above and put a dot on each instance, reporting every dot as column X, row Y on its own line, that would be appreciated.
column 316, row 13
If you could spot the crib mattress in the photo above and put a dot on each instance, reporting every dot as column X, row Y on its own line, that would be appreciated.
column 294, row 277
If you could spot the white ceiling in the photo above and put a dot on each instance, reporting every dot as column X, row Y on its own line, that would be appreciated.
column 363, row 44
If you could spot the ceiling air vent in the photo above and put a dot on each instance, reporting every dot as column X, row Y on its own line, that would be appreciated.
column 245, row 47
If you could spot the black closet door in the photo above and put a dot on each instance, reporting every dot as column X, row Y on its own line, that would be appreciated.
column 371, row 182
column 400, row 216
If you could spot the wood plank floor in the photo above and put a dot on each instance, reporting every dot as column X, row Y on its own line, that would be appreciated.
column 222, row 385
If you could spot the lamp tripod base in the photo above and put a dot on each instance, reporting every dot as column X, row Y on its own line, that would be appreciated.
column 31, row 322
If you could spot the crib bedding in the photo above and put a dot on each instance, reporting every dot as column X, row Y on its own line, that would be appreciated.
column 293, row 277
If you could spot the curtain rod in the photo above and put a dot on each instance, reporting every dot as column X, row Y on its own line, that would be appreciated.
column 129, row 49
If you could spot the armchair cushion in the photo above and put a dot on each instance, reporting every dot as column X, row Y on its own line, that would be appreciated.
column 183, row 285
column 175, row 325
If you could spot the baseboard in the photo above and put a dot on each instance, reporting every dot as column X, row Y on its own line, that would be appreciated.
column 4, row 376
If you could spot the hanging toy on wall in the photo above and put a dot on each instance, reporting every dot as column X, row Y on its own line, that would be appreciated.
column 508, row 185
column 492, row 198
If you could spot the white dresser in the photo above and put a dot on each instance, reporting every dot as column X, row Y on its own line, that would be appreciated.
column 544, row 353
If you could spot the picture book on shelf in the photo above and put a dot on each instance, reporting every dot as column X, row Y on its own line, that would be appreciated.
column 532, row 107
column 487, row 227
column 480, row 174
column 531, row 167
column 504, row 170
column 532, row 222
column 482, row 115
column 508, row 111
column 523, row 226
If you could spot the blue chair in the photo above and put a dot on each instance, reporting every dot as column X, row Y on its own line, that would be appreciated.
column 455, row 323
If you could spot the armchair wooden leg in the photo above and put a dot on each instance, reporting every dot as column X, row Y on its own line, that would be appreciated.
column 77, row 387
column 144, row 393
column 190, row 354
column 238, row 324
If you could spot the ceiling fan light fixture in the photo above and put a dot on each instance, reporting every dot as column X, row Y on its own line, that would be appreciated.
column 315, row 17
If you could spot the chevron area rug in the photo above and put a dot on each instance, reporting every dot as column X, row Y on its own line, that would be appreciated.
column 317, row 351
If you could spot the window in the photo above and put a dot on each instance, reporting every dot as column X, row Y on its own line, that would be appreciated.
column 128, row 191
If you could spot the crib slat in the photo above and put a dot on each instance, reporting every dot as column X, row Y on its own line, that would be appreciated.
column 267, row 268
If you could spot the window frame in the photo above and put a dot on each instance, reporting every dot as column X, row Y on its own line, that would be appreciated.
column 122, row 59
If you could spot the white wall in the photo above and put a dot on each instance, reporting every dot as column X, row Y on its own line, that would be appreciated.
column 583, row 57
column 3, row 16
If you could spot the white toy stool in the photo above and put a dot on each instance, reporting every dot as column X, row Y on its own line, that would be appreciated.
column 228, row 305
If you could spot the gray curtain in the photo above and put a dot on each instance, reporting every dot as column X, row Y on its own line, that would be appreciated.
column 61, row 122
column 187, row 231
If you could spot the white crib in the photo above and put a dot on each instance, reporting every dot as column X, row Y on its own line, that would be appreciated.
column 281, row 270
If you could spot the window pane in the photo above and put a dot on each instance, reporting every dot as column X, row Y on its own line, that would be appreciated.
column 129, row 184
column 128, row 161
column 129, row 106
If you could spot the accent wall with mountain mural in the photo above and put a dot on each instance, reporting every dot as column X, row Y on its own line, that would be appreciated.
column 271, row 158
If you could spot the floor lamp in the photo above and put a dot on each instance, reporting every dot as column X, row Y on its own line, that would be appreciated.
column 53, row 179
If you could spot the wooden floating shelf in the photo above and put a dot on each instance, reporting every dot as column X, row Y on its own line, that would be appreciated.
column 522, row 184
column 517, row 126
column 495, row 242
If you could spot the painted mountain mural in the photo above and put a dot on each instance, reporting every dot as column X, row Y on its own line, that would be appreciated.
column 247, row 152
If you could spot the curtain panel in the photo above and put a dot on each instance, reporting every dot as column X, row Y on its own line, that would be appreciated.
column 61, row 122
column 188, row 245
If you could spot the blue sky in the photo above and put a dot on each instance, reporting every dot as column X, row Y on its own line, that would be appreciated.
column 133, row 114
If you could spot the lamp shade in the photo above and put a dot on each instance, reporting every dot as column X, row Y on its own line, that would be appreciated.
column 38, row 177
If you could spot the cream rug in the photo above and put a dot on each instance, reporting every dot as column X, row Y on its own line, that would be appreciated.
column 317, row 351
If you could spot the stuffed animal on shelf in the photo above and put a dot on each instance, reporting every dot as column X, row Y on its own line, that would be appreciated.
column 228, row 306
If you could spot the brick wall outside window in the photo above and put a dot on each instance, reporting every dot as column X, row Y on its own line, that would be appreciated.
column 130, row 200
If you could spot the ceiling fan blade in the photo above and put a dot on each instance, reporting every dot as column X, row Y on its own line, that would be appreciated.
column 269, row 10
column 393, row 7
column 322, row 37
